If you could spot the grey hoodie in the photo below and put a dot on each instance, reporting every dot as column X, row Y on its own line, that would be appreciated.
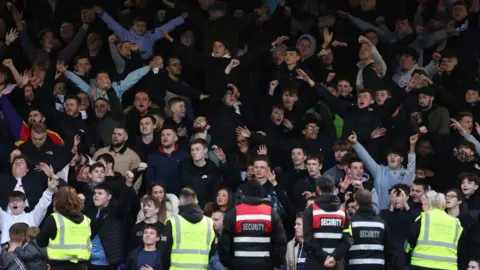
column 313, row 45
column 33, row 256
column 11, row 261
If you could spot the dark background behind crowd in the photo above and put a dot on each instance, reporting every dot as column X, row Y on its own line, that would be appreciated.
column 375, row 94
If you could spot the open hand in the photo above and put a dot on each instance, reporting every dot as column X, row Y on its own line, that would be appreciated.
column 262, row 150
column 11, row 36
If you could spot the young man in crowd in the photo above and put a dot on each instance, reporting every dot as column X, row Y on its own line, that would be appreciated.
column 387, row 176
column 8, row 258
column 164, row 164
column 125, row 158
column 200, row 173
column 149, row 141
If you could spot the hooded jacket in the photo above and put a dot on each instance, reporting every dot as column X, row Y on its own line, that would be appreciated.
column 10, row 261
column 313, row 45
column 193, row 214
column 34, row 257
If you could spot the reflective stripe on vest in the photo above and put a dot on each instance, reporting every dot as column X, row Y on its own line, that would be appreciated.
column 253, row 227
column 319, row 214
column 366, row 261
column 327, row 235
column 366, row 247
column 368, row 224
column 191, row 253
column 438, row 241
column 254, row 217
column 252, row 254
column 251, row 239
column 79, row 234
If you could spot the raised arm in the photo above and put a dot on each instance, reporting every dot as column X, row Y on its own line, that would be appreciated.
column 72, row 47
column 424, row 42
column 383, row 34
column 116, row 57
column 27, row 45
column 19, row 79
column 131, row 79
column 411, row 162
column 168, row 27
column 117, row 29
column 363, row 154
column 339, row 106
column 81, row 84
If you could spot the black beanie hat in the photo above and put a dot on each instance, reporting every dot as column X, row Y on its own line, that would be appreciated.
column 253, row 188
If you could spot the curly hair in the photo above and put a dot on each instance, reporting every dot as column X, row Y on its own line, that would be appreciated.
column 66, row 201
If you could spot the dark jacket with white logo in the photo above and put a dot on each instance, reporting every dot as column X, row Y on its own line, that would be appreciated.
column 205, row 181
column 244, row 233
column 50, row 153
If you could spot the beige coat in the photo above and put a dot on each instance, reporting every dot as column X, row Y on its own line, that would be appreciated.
column 292, row 255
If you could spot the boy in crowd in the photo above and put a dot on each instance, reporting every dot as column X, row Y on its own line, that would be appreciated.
column 17, row 202
column 147, row 256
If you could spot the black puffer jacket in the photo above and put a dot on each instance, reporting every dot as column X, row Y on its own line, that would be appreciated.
column 110, row 226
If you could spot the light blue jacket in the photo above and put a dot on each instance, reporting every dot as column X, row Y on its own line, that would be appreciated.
column 145, row 41
column 119, row 87
column 215, row 263
column 383, row 177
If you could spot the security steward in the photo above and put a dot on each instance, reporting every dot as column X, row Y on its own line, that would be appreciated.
column 326, row 229
column 370, row 237
column 434, row 236
column 66, row 233
column 253, row 236
column 188, row 237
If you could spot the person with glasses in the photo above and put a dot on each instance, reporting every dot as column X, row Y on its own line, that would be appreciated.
column 469, row 244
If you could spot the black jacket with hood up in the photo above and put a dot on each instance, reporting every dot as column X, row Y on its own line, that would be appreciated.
column 193, row 214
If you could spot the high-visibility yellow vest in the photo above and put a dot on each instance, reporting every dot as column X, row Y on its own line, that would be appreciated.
column 191, row 243
column 438, row 241
column 72, row 242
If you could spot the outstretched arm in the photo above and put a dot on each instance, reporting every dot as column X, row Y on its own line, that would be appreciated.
column 131, row 79
column 117, row 29
column 168, row 27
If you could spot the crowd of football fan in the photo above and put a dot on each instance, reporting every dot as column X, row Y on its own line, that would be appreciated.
column 240, row 134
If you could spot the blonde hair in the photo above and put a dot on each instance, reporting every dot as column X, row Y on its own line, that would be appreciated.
column 32, row 233
column 435, row 200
